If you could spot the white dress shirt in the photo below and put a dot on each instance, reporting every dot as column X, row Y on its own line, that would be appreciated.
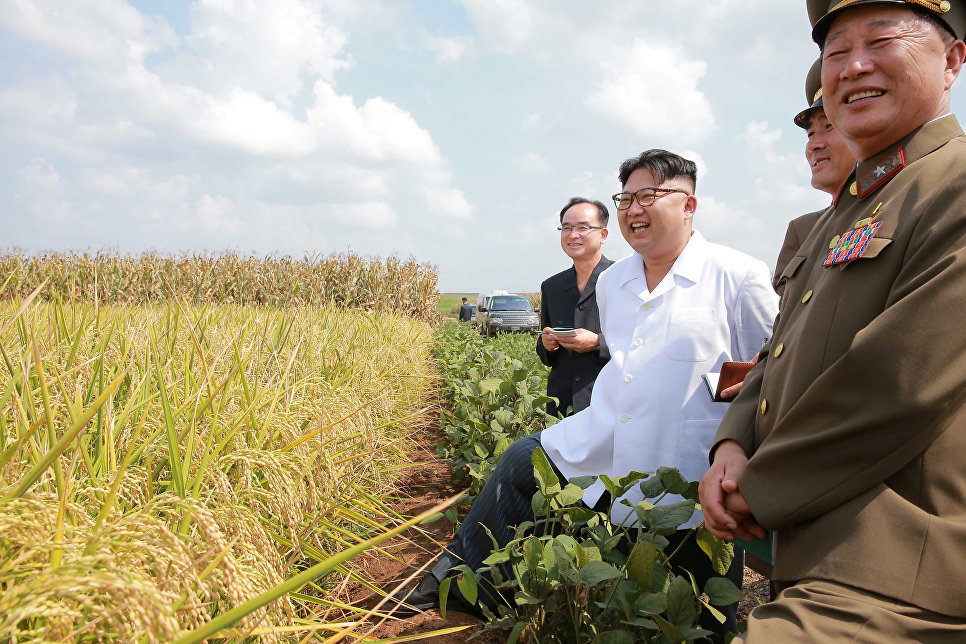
column 650, row 407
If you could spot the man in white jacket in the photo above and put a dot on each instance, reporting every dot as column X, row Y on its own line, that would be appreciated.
column 676, row 308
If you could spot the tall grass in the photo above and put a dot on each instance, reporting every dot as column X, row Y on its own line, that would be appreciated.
column 163, row 464
column 346, row 279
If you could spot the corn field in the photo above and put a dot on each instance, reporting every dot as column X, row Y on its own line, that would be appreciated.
column 163, row 466
column 347, row 280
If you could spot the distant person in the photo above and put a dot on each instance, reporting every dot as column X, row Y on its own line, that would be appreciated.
column 567, row 300
column 466, row 311
column 673, row 310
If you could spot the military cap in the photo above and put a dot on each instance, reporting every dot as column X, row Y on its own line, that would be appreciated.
column 813, row 94
column 951, row 13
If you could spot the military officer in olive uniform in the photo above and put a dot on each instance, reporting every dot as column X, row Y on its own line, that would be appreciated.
column 829, row 160
column 848, row 437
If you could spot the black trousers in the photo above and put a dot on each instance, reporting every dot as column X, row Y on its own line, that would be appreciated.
column 505, row 502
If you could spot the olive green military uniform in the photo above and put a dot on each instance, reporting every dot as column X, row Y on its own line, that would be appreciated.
column 854, row 419
column 855, row 416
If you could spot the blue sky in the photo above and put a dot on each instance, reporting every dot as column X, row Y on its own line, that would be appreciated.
column 447, row 131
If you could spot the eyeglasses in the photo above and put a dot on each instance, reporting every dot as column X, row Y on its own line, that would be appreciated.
column 580, row 229
column 645, row 196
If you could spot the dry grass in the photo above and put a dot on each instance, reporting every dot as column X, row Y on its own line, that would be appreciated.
column 345, row 280
column 163, row 464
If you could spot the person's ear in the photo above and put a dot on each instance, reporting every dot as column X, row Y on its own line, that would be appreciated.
column 690, row 206
column 603, row 235
column 955, row 56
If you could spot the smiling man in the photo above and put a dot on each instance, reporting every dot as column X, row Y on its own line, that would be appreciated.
column 567, row 300
column 829, row 159
column 673, row 310
column 847, row 438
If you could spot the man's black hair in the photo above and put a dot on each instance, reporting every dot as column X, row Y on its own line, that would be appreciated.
column 602, row 213
column 663, row 165
column 464, row 299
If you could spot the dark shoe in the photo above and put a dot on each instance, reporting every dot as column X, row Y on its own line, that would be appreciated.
column 405, row 603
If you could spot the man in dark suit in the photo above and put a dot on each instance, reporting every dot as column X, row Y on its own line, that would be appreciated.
column 567, row 301
column 466, row 311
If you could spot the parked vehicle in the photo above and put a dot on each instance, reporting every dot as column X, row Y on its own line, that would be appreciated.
column 502, row 311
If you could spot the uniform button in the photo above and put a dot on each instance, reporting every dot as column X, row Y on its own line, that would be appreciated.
column 854, row 189
column 638, row 342
column 807, row 297
column 779, row 349
column 835, row 242
column 576, row 378
column 625, row 418
column 628, row 378
column 581, row 307
column 764, row 406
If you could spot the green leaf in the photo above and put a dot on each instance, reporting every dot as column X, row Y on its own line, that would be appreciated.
column 504, row 417
column 680, row 603
column 514, row 636
column 651, row 603
column 672, row 480
column 614, row 637
column 570, row 495
column 721, row 553
column 652, row 487
column 665, row 519
column 717, row 614
column 673, row 632
column 467, row 584
column 640, row 564
column 539, row 505
column 451, row 514
column 480, row 450
column 444, row 595
column 490, row 385
column 532, row 552
column 721, row 591
column 583, row 482
column 596, row 572
column 498, row 557
column 433, row 517
column 543, row 471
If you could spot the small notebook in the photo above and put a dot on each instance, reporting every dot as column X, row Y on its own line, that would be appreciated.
column 731, row 374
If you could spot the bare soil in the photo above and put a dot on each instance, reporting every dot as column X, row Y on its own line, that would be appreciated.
column 428, row 483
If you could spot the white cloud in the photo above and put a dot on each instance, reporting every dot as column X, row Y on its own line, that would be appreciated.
column 533, row 163
column 216, row 215
column 653, row 90
column 450, row 49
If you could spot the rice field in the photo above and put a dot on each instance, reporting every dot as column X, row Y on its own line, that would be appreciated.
column 168, row 467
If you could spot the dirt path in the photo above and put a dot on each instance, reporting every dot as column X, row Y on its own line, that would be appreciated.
column 426, row 485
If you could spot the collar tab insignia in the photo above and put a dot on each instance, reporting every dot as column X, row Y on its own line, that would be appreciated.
column 881, row 172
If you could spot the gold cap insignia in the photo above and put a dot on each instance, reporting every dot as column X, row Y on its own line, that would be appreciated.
column 818, row 96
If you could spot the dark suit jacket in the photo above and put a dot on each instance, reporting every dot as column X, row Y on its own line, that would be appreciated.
column 855, row 416
column 572, row 374
column 466, row 312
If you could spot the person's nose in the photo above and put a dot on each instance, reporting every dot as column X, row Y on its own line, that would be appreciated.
column 815, row 144
column 858, row 62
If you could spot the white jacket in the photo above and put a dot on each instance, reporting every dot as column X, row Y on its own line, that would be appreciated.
column 650, row 407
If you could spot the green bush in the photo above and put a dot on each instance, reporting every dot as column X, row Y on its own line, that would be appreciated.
column 576, row 577
column 494, row 392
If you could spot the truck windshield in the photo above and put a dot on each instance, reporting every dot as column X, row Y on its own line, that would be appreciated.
column 511, row 304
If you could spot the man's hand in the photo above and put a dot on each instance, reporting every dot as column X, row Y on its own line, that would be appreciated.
column 732, row 391
column 726, row 514
column 549, row 340
column 583, row 342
